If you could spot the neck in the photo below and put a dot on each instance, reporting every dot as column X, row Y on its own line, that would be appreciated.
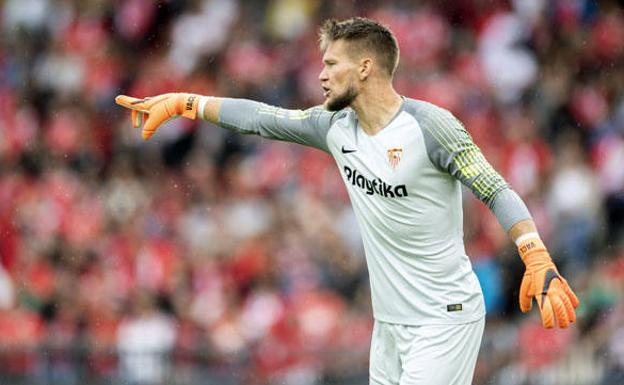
column 376, row 105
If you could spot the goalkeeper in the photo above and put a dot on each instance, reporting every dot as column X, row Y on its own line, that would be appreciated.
column 402, row 161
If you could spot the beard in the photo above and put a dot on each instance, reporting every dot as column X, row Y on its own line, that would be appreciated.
column 341, row 101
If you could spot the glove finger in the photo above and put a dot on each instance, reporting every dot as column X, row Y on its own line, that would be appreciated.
column 546, row 311
column 526, row 299
column 149, row 129
column 573, row 298
column 558, row 308
column 569, row 307
column 131, row 103
column 155, row 119
column 137, row 118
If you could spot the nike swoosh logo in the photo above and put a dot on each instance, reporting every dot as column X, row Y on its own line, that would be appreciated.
column 550, row 275
column 345, row 151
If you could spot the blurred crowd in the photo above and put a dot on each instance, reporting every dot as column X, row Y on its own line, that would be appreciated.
column 207, row 253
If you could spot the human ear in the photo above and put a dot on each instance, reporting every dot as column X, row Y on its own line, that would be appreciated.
column 366, row 66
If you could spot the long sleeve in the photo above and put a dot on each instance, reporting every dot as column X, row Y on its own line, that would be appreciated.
column 307, row 127
column 452, row 150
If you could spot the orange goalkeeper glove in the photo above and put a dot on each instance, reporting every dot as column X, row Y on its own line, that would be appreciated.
column 159, row 109
column 542, row 281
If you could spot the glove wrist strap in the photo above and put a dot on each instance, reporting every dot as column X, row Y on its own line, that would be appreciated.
column 190, row 105
column 533, row 250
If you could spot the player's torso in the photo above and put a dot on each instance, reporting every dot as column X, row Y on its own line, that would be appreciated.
column 410, row 216
column 390, row 179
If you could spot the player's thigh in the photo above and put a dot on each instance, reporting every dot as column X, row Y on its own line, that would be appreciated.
column 384, row 366
column 443, row 355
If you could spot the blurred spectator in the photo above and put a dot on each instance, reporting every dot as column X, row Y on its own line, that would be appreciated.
column 526, row 158
column 615, row 348
column 202, row 31
column 509, row 66
column 145, row 340
column 7, row 290
column 574, row 201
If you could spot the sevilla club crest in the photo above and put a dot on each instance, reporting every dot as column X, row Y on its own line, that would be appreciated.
column 394, row 157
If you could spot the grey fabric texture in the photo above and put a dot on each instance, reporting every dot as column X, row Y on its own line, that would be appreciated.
column 307, row 127
column 451, row 149
column 509, row 208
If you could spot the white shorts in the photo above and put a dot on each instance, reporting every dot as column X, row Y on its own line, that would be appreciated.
column 424, row 355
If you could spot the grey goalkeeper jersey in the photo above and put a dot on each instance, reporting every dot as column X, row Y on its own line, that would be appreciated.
column 404, row 184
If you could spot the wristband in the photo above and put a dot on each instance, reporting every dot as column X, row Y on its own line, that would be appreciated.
column 526, row 236
column 202, row 105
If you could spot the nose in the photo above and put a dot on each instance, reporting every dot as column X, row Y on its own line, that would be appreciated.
column 323, row 75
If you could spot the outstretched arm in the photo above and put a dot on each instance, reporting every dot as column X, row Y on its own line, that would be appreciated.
column 452, row 150
column 307, row 127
